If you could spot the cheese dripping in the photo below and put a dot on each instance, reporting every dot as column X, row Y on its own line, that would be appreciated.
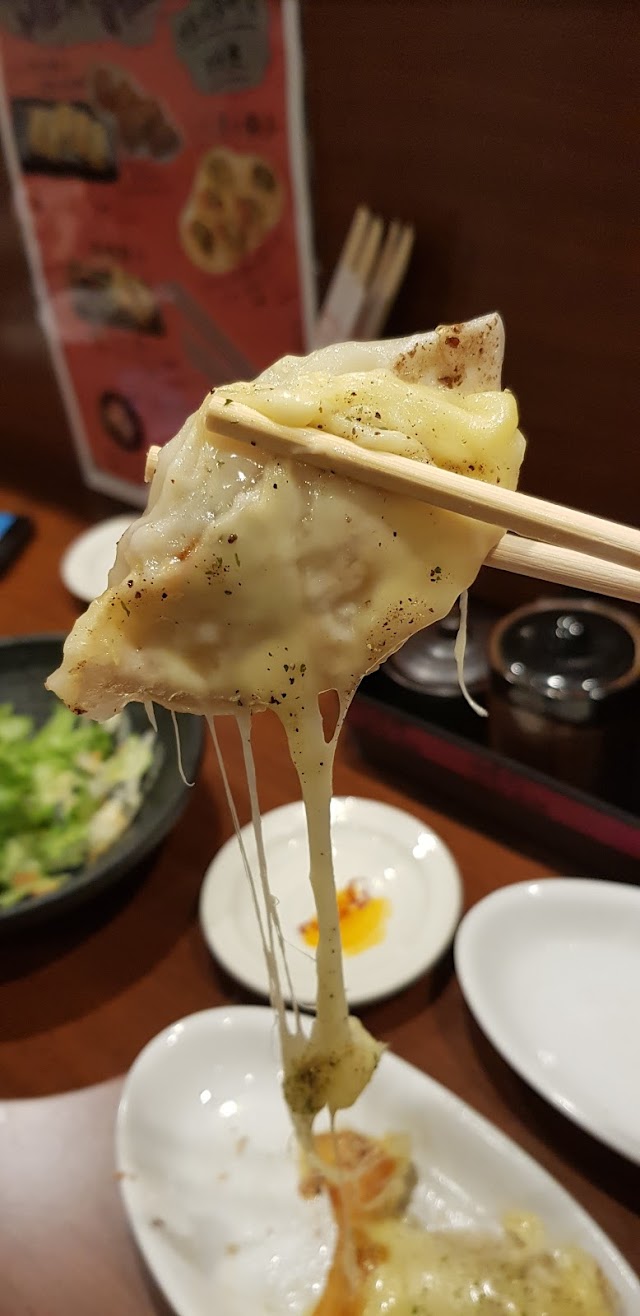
column 252, row 582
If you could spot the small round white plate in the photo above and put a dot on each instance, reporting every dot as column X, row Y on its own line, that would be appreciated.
column 551, row 971
column 89, row 559
column 391, row 854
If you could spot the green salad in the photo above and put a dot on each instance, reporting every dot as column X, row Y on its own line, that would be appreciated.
column 67, row 792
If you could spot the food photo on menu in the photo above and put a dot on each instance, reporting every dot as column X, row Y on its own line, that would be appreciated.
column 319, row 663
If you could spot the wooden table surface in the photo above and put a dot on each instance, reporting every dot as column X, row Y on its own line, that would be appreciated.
column 79, row 998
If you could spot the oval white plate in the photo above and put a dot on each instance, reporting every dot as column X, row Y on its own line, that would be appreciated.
column 208, row 1170
column 89, row 559
column 551, row 971
column 391, row 853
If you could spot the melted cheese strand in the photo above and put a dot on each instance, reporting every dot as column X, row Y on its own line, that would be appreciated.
column 458, row 653
column 245, row 859
column 176, row 731
column 334, row 1065
column 341, row 1179
column 313, row 759
column 151, row 714
column 273, row 918
column 291, row 1044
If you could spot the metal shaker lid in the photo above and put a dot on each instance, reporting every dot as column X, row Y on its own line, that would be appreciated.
column 426, row 663
column 567, row 652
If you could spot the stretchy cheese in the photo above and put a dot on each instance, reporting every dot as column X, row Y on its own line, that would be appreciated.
column 252, row 582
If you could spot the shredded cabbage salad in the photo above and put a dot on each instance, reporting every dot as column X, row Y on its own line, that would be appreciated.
column 67, row 792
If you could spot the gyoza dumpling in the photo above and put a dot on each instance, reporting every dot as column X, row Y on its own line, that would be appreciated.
column 252, row 581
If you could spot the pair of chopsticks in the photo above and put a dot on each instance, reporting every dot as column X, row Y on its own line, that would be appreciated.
column 365, row 281
column 550, row 542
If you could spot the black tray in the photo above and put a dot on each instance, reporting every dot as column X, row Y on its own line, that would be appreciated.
column 563, row 825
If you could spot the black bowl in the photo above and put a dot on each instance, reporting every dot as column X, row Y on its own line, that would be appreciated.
column 25, row 663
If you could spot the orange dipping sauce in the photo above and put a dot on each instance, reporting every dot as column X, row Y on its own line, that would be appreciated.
column 363, row 920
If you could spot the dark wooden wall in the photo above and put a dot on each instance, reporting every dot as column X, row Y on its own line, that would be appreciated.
column 506, row 130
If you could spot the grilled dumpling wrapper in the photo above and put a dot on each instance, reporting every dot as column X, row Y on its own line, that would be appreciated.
column 251, row 581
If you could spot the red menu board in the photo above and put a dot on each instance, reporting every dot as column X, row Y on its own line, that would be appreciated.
column 156, row 153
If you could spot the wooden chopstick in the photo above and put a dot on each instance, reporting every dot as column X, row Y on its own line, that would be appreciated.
column 151, row 462
column 525, row 557
column 563, row 566
column 365, row 280
column 532, row 517
column 346, row 291
column 353, row 240
column 367, row 255
column 385, row 282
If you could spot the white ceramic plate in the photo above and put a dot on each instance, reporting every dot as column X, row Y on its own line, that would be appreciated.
column 208, row 1170
column 88, row 560
column 392, row 854
column 551, row 971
